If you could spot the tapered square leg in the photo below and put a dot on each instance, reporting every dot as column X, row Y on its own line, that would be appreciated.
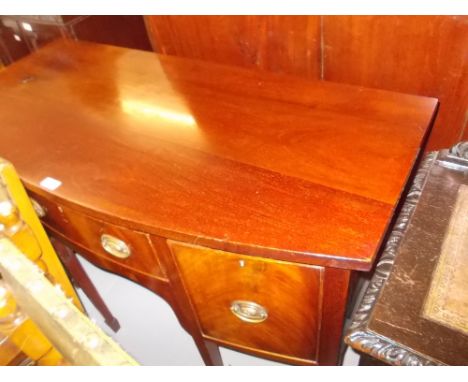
column 82, row 280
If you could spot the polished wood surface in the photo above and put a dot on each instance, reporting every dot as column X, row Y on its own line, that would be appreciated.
column 86, row 232
column 336, row 292
column 290, row 293
column 286, row 44
column 182, row 304
column 424, row 55
column 297, row 179
column 241, row 160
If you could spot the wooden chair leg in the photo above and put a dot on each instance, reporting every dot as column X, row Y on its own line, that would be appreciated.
column 81, row 278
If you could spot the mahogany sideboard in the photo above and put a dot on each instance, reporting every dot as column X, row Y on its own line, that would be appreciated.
column 246, row 199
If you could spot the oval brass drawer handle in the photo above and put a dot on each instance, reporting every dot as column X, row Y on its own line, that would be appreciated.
column 249, row 311
column 115, row 247
column 40, row 211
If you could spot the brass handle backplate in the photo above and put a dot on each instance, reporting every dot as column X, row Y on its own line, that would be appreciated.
column 40, row 211
column 249, row 311
column 115, row 247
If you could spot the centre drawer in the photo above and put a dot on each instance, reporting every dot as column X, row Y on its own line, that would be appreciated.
column 128, row 248
column 250, row 303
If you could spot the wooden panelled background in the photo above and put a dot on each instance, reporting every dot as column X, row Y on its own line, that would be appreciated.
column 425, row 55
column 288, row 44
column 411, row 54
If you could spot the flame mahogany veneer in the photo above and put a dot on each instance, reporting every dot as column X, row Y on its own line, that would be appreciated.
column 227, row 184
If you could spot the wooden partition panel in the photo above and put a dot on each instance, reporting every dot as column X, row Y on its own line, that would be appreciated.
column 464, row 136
column 289, row 44
column 424, row 55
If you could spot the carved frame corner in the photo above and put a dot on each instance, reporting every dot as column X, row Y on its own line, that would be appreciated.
column 358, row 336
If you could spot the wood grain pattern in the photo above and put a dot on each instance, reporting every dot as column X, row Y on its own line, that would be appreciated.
column 86, row 232
column 161, row 287
column 197, row 151
column 336, row 285
column 423, row 55
column 157, row 285
column 286, row 44
column 183, row 305
column 303, row 173
column 291, row 294
column 411, row 54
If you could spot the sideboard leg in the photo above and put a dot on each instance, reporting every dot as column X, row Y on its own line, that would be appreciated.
column 81, row 278
column 209, row 352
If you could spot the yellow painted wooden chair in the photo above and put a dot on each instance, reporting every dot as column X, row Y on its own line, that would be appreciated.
column 41, row 319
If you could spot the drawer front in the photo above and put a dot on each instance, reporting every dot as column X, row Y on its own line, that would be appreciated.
column 128, row 248
column 253, row 303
